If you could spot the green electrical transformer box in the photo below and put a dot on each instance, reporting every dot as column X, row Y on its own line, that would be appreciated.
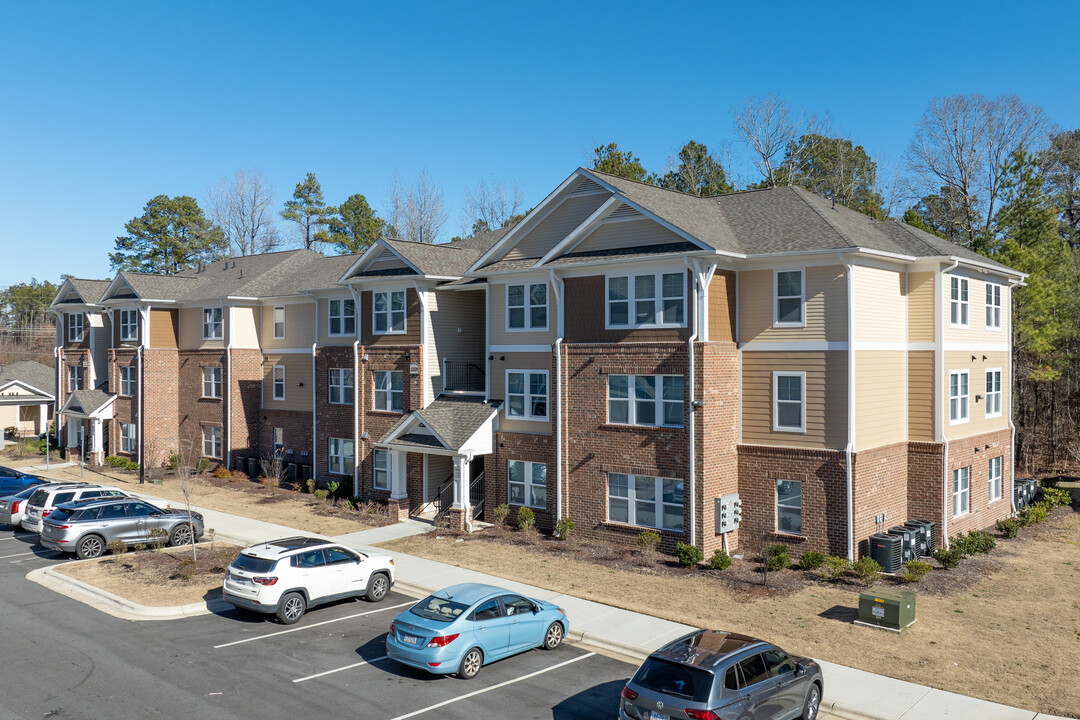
column 886, row 608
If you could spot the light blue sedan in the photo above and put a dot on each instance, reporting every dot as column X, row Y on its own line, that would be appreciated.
column 461, row 628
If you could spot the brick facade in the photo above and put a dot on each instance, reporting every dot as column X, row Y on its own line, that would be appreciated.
column 975, row 452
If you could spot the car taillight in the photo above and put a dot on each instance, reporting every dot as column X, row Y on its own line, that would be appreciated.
column 391, row 629
column 15, row 506
column 442, row 640
column 265, row 580
column 45, row 513
column 59, row 527
column 629, row 694
column 701, row 714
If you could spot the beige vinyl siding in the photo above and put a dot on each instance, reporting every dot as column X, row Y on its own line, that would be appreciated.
column 920, row 309
column 457, row 330
column 439, row 469
column 433, row 383
column 521, row 361
column 501, row 336
column 921, row 410
column 163, row 327
column 722, row 307
column 299, row 326
column 826, row 307
column 880, row 387
column 191, row 329
column 324, row 323
column 879, row 306
column 627, row 234
column 556, row 226
column 297, row 370
column 9, row 415
column 977, row 423
column 825, row 393
column 976, row 332
column 386, row 262
column 245, row 330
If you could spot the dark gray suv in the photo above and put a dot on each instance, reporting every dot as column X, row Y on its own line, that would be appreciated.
column 709, row 675
column 87, row 527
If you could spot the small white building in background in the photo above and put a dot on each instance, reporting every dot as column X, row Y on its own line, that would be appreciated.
column 27, row 394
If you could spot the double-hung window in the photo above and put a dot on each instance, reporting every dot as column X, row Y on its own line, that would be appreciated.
column 527, row 483
column 958, row 302
column 128, row 378
column 526, row 394
column 526, row 307
column 789, row 506
column 993, row 306
column 74, row 378
column 211, row 441
column 279, row 441
column 789, row 401
column 279, row 322
column 341, row 456
column 958, row 396
column 127, row 437
column 993, row 393
column 790, row 292
column 653, row 300
column 388, row 390
column 129, row 325
column 341, row 386
column 652, row 502
column 279, row 382
column 381, row 476
column 212, row 323
column 75, row 327
column 342, row 317
column 994, row 478
column 645, row 400
column 961, row 491
column 388, row 312
column 211, row 382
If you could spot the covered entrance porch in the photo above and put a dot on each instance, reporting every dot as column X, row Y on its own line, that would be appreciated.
column 85, row 415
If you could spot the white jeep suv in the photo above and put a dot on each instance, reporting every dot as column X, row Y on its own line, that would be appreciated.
column 286, row 577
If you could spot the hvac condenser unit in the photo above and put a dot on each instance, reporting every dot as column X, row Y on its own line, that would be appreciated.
column 887, row 551
column 910, row 537
column 290, row 472
column 926, row 540
column 252, row 467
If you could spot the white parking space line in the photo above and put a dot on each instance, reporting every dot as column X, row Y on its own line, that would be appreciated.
column 324, row 622
column 18, row 537
column 5, row 557
column 493, row 687
column 340, row 669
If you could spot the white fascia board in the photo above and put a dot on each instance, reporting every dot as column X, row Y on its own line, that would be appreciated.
column 65, row 287
column 114, row 285
column 617, row 264
column 371, row 255
column 987, row 267
column 481, row 442
column 583, row 230
column 28, row 387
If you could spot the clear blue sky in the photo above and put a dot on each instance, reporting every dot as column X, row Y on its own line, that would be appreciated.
column 104, row 105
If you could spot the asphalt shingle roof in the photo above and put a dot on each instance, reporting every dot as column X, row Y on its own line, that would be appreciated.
column 30, row 373
column 89, row 401
column 454, row 418
column 90, row 290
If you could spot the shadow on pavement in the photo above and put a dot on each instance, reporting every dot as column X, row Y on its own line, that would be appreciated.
column 598, row 701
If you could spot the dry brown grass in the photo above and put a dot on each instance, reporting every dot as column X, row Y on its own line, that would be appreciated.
column 153, row 578
column 1005, row 627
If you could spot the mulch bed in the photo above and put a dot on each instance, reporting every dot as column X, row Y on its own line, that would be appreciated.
column 164, row 567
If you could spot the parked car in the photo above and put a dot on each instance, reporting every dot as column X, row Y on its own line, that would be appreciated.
column 87, row 527
column 461, row 628
column 287, row 577
column 13, row 481
column 42, row 502
column 13, row 506
column 708, row 675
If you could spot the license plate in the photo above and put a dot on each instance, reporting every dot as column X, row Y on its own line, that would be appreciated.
column 653, row 715
column 409, row 639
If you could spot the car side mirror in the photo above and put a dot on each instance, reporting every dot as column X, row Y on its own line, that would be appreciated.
column 799, row 668
column 155, row 514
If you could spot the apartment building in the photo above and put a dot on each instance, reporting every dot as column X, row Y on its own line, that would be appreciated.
column 630, row 357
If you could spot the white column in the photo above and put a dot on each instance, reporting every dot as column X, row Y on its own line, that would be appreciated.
column 398, row 489
column 73, row 432
column 43, row 418
column 461, row 482
column 98, row 443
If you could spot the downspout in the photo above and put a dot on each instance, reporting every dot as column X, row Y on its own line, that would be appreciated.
column 314, row 399
column 356, row 414
column 849, row 447
column 144, row 338
column 1012, row 425
column 558, row 286
column 942, row 383
column 693, row 415
column 227, row 389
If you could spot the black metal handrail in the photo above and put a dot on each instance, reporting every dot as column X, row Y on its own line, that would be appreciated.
column 476, row 495
column 444, row 497
column 463, row 375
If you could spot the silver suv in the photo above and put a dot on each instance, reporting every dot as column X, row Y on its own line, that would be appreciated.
column 87, row 527
column 42, row 502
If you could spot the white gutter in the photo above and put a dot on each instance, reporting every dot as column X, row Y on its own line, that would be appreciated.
column 227, row 389
column 314, row 399
column 848, row 449
column 356, row 414
column 1012, row 425
column 693, row 415
column 558, row 286
column 139, row 406
column 942, row 384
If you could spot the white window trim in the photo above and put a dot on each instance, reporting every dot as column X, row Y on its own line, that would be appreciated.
column 213, row 445
column 631, row 498
column 777, row 427
column 1000, row 393
column 73, row 372
column 125, row 437
column 389, row 313
column 658, row 401
column 990, row 478
column 776, row 507
column 962, row 282
column 131, row 384
column 207, row 327
column 340, row 463
column 212, row 383
column 343, row 316
column 527, row 307
column 346, row 397
column 1000, row 293
column 959, row 398
column 129, row 331
column 658, row 299
column 390, row 392
column 273, row 322
column 776, row 298
column 273, row 383
column 72, row 326
column 278, row 447
column 528, row 416
column 375, row 470
column 961, row 492
column 526, row 482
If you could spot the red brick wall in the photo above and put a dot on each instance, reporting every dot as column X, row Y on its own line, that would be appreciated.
column 716, row 437
column 879, row 486
column 245, row 386
column 926, row 500
column 376, row 423
column 194, row 411
column 528, row 447
column 296, row 427
column 976, row 452
column 160, row 406
column 333, row 420
column 124, row 410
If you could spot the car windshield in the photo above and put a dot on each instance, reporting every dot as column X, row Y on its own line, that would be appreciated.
column 671, row 678
column 38, row 498
column 438, row 609
column 253, row 564
column 62, row 513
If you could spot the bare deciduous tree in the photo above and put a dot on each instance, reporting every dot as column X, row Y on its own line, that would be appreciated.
column 491, row 205
column 189, row 471
column 416, row 211
column 765, row 124
column 242, row 207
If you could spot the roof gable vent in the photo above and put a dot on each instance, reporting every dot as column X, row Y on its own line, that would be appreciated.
column 624, row 212
column 587, row 187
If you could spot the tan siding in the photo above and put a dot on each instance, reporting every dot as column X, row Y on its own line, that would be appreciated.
column 245, row 329
column 585, row 316
column 521, row 361
column 555, row 227
column 921, row 409
column 722, row 307
column 977, row 423
column 636, row 233
column 879, row 306
column 297, row 370
column 191, row 330
column 299, row 326
column 411, row 336
column 826, row 398
column 163, row 330
column 324, row 324
column 501, row 336
column 880, row 387
column 433, row 381
column 457, row 331
column 387, row 262
column 976, row 332
column 826, row 307
column 921, row 306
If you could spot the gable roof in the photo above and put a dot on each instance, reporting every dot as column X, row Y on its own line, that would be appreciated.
column 31, row 374
column 453, row 420
column 443, row 260
column 87, row 402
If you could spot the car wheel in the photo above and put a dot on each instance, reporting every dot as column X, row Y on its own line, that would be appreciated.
column 90, row 547
column 291, row 608
column 553, row 637
column 813, row 701
column 470, row 664
column 181, row 535
column 378, row 586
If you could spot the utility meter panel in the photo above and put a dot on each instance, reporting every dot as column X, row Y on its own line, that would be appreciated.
column 728, row 513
